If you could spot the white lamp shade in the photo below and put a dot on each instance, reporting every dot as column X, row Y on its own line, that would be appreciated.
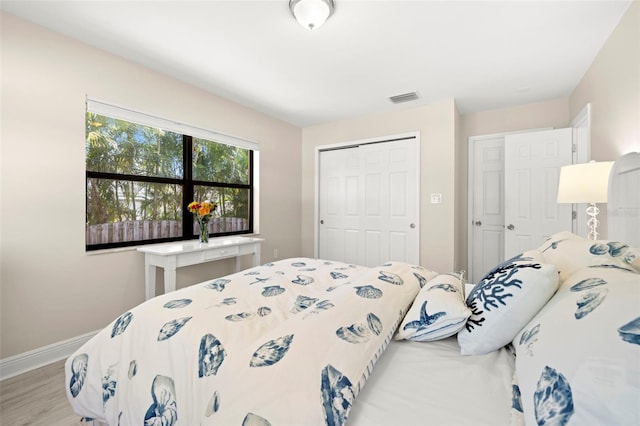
column 311, row 13
column 584, row 183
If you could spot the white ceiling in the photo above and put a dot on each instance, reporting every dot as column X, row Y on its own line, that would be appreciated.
column 484, row 54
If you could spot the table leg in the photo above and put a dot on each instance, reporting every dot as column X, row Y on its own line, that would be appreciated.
column 256, row 255
column 170, row 275
column 149, row 279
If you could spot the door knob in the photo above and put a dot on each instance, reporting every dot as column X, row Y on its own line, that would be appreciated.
column 413, row 225
column 510, row 227
column 321, row 222
column 477, row 223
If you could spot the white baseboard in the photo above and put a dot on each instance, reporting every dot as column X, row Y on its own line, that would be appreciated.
column 27, row 361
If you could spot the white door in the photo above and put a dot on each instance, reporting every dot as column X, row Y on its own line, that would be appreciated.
column 513, row 184
column 369, row 203
column 487, row 188
column 532, row 168
column 339, row 205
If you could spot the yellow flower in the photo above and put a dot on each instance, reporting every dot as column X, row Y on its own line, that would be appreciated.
column 193, row 206
column 202, row 209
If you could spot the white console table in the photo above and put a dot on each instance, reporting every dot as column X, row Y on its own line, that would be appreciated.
column 175, row 255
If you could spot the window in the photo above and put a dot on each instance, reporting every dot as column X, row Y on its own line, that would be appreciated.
column 142, row 172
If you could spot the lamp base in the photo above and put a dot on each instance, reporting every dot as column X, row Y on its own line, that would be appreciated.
column 593, row 222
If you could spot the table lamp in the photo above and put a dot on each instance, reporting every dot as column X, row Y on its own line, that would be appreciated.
column 585, row 183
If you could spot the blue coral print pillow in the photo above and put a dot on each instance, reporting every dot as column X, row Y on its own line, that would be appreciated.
column 505, row 300
column 438, row 311
column 570, row 252
column 578, row 359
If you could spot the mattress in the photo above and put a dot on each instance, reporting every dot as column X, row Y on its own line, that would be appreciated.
column 430, row 383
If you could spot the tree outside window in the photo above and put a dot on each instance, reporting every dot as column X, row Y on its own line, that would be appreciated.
column 139, row 182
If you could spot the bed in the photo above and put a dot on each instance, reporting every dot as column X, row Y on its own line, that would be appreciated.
column 297, row 338
column 551, row 336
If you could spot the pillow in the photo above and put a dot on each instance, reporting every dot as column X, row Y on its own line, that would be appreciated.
column 578, row 359
column 570, row 253
column 505, row 300
column 468, row 288
column 438, row 311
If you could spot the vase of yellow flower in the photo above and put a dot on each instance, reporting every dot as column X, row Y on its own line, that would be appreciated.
column 203, row 211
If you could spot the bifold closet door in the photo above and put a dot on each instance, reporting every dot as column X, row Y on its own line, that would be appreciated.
column 369, row 203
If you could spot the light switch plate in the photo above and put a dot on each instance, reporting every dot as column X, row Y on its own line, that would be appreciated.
column 436, row 198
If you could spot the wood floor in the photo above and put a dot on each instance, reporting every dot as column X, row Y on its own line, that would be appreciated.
column 37, row 398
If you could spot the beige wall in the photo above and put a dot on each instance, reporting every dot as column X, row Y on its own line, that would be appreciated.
column 612, row 86
column 551, row 113
column 51, row 290
column 436, row 124
column 460, row 187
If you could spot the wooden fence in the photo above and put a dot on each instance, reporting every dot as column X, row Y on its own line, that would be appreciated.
column 137, row 230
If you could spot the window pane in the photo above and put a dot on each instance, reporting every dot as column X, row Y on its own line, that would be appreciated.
column 120, row 210
column 216, row 162
column 232, row 214
column 116, row 146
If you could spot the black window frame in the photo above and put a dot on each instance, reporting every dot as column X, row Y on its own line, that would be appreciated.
column 187, row 182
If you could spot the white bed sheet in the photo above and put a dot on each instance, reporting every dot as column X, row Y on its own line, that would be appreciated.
column 430, row 383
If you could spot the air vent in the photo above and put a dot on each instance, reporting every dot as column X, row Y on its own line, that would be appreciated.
column 405, row 97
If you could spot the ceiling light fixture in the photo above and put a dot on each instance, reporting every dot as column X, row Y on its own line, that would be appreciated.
column 311, row 13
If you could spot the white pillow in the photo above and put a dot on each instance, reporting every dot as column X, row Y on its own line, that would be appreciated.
column 570, row 252
column 578, row 360
column 438, row 311
column 505, row 300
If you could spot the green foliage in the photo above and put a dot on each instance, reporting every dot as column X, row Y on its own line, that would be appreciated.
column 216, row 162
column 116, row 146
column 120, row 147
